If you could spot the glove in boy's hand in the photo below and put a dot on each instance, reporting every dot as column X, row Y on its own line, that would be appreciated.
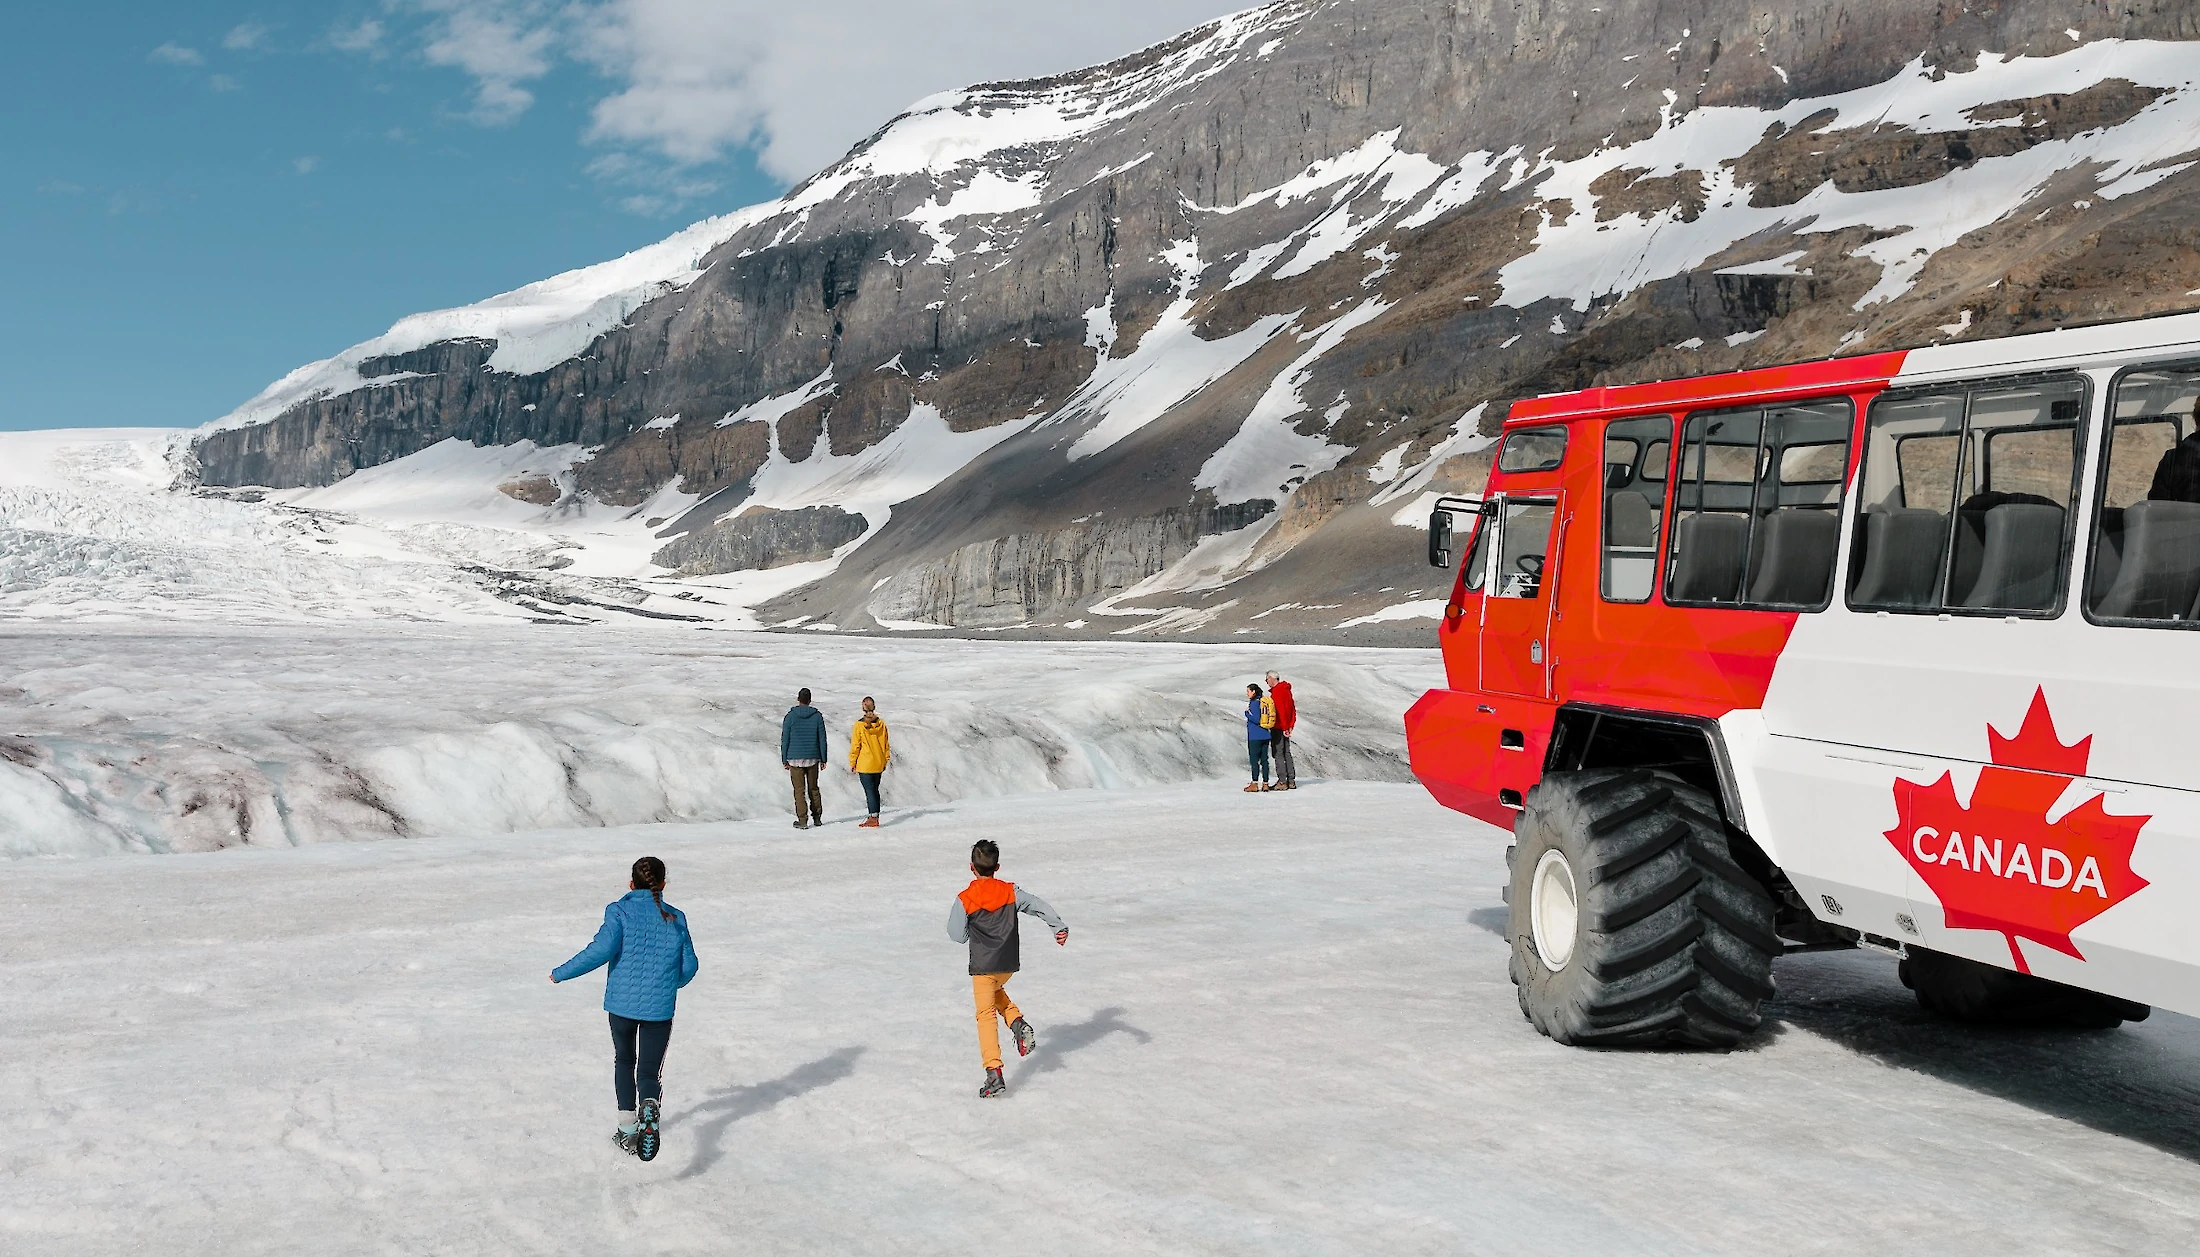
column 1061, row 937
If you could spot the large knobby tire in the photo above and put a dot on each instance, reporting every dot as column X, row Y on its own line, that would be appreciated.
column 1668, row 940
column 1965, row 990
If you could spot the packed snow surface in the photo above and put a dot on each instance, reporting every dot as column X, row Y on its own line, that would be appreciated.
column 1281, row 1024
column 103, row 525
column 149, row 739
column 92, row 527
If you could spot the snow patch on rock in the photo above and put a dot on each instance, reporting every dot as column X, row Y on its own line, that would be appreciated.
column 1581, row 260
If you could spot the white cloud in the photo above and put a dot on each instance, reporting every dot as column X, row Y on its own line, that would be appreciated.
column 502, row 44
column 176, row 54
column 224, row 83
column 692, row 80
column 246, row 36
column 365, row 37
column 305, row 165
column 802, row 82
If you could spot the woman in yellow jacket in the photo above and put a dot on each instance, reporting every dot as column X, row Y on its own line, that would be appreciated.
column 868, row 756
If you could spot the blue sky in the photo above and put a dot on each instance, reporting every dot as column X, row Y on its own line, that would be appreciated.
column 195, row 199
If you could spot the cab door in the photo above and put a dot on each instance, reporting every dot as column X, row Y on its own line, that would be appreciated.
column 1518, row 595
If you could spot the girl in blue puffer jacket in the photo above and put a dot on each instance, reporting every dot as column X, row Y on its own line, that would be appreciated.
column 646, row 943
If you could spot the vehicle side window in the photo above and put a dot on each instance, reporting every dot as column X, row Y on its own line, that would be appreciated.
column 1475, row 568
column 1634, row 504
column 1964, row 499
column 2146, row 533
column 1756, row 508
column 1532, row 449
column 1527, row 544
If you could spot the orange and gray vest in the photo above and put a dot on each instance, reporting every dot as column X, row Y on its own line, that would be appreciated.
column 984, row 915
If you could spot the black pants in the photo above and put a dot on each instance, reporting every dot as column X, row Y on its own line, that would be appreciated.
column 647, row 1067
column 1279, row 745
column 870, row 790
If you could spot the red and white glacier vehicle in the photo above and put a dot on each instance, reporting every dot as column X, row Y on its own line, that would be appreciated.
column 1893, row 651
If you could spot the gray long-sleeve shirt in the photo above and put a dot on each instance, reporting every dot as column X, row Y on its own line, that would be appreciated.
column 984, row 917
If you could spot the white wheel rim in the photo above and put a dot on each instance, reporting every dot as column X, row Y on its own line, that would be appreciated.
column 1554, row 911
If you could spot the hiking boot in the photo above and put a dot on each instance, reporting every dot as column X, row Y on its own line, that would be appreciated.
column 629, row 1133
column 645, row 1139
column 994, row 1085
column 1026, row 1037
column 1254, row 788
column 802, row 824
column 868, row 823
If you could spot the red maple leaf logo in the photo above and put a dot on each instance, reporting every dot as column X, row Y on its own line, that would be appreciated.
column 1998, row 863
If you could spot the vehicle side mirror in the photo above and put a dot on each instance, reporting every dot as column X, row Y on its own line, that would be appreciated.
column 1439, row 526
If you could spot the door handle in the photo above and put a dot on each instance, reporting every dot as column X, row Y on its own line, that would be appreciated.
column 1535, row 652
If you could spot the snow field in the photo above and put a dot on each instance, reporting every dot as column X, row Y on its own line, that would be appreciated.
column 1282, row 1024
column 150, row 739
column 92, row 528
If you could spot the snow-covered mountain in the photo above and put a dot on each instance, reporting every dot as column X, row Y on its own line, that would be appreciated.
column 1178, row 344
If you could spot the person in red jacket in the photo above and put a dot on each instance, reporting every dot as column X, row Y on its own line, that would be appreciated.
column 1287, row 719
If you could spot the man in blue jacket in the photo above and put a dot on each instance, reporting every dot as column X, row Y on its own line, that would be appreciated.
column 802, row 752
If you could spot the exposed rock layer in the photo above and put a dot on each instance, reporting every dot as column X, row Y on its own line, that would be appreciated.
column 1023, row 577
column 762, row 538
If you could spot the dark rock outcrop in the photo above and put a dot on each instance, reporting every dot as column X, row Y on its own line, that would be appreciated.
column 762, row 538
column 1020, row 578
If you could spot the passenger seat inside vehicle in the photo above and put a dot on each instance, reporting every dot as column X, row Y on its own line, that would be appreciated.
column 1795, row 557
column 1902, row 557
column 2020, row 558
column 1966, row 575
column 2108, row 556
column 1710, row 552
column 2159, row 576
column 1634, row 521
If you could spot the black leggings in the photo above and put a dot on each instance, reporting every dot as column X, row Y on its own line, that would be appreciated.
column 870, row 790
column 651, row 1037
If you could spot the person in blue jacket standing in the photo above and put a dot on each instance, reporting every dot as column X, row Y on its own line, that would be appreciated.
column 646, row 943
column 1260, row 724
column 802, row 753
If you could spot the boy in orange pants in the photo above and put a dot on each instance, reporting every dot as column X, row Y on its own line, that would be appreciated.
column 984, row 915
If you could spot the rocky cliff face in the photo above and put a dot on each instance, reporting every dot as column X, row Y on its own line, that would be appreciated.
column 1205, row 322
column 759, row 539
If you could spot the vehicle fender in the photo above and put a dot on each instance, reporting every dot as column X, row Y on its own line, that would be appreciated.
column 1738, row 742
column 1454, row 739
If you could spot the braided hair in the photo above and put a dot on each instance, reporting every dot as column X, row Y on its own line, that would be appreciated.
column 649, row 875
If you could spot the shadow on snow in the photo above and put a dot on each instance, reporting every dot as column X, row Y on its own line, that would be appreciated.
column 1059, row 1041
column 2140, row 1082
column 731, row 1104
